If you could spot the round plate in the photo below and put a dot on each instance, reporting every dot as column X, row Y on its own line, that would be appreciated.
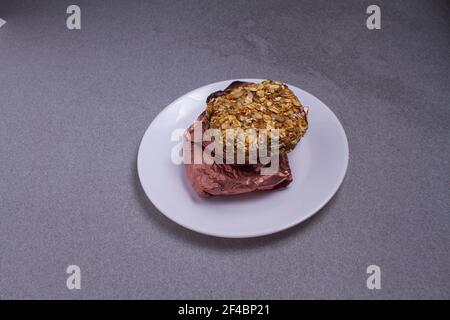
column 318, row 164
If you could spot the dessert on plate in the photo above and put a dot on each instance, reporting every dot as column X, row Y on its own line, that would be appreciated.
column 268, row 116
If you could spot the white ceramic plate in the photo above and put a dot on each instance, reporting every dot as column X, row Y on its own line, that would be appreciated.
column 318, row 164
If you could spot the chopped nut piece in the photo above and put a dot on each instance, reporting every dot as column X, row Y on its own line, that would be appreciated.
column 260, row 93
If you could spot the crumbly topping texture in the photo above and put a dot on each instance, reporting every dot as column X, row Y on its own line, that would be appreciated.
column 267, row 105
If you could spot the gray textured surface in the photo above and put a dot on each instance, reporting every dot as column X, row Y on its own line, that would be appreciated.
column 75, row 104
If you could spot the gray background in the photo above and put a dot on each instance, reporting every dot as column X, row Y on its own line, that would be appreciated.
column 75, row 104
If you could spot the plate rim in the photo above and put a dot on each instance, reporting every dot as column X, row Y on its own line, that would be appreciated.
column 254, row 234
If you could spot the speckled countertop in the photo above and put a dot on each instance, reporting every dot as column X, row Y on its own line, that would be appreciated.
column 75, row 104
